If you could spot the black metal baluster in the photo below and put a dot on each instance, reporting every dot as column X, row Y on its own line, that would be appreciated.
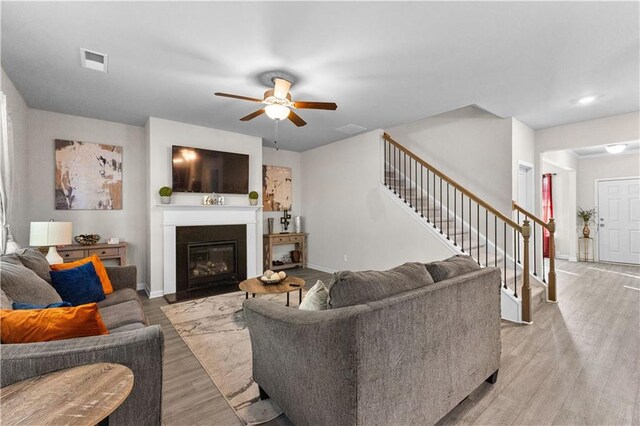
column 455, row 216
column 504, row 251
column 535, row 253
column 515, row 270
column 470, row 232
column 421, row 190
column 416, row 184
column 404, row 177
column 486, row 237
column 428, row 196
column 409, row 184
column 387, row 166
column 395, row 164
column 478, row 229
column 434, row 201
column 543, row 263
column 462, row 217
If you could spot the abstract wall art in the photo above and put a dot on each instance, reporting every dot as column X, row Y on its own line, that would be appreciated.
column 88, row 176
column 276, row 188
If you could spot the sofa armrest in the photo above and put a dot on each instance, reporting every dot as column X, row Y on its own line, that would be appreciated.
column 140, row 350
column 122, row 276
column 305, row 360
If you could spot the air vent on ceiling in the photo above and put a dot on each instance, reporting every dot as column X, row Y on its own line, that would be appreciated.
column 94, row 60
column 350, row 129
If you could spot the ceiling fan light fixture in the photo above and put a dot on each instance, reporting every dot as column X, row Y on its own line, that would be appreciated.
column 277, row 112
column 616, row 148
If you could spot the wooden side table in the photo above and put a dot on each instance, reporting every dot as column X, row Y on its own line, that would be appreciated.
column 74, row 252
column 583, row 249
column 84, row 395
column 271, row 240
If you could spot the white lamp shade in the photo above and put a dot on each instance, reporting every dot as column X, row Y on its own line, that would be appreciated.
column 50, row 233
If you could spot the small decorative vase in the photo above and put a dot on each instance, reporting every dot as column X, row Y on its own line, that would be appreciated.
column 295, row 256
column 586, row 231
column 165, row 200
column 270, row 225
column 253, row 202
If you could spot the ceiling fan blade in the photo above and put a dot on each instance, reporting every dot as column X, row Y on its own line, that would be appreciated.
column 295, row 119
column 253, row 115
column 315, row 105
column 281, row 88
column 244, row 98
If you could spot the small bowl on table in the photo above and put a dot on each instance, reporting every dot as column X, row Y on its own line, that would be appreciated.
column 87, row 239
column 273, row 278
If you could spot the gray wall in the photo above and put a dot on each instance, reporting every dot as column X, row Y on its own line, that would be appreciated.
column 129, row 223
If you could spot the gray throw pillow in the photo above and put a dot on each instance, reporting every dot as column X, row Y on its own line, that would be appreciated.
column 22, row 285
column 452, row 267
column 349, row 288
column 316, row 298
column 36, row 261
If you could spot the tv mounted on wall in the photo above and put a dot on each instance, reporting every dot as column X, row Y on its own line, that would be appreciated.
column 207, row 171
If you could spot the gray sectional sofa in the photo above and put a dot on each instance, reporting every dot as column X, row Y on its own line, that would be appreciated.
column 131, row 340
column 393, row 348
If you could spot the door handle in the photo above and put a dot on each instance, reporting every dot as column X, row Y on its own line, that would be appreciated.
column 602, row 225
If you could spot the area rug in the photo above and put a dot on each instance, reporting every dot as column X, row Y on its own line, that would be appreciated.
column 214, row 329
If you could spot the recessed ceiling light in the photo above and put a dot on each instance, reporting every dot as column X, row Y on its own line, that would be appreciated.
column 616, row 149
column 586, row 100
column 94, row 60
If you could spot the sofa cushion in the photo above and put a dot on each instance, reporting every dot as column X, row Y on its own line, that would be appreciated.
column 44, row 325
column 451, row 267
column 316, row 298
column 118, row 296
column 128, row 327
column 22, row 285
column 5, row 301
column 34, row 260
column 124, row 313
column 78, row 285
column 349, row 288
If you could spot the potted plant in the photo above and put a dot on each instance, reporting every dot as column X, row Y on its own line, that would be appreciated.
column 253, row 198
column 587, row 218
column 165, row 195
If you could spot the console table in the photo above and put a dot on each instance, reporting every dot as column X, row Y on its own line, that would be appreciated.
column 271, row 240
column 73, row 252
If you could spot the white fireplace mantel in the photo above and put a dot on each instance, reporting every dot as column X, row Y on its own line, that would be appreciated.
column 174, row 215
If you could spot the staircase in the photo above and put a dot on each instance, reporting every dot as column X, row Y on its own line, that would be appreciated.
column 468, row 225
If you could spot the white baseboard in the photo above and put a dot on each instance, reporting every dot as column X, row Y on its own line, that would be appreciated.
column 153, row 294
column 141, row 286
column 321, row 268
column 562, row 256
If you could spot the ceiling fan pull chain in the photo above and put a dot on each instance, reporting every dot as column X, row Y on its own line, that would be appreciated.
column 276, row 138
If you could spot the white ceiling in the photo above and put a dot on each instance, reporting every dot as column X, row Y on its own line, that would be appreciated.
column 383, row 63
column 633, row 147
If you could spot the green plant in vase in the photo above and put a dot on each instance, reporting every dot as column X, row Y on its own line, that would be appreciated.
column 587, row 217
column 253, row 198
column 165, row 195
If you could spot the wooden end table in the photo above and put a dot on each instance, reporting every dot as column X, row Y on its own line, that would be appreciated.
column 289, row 284
column 84, row 395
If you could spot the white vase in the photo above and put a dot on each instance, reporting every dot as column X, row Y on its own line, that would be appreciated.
column 165, row 200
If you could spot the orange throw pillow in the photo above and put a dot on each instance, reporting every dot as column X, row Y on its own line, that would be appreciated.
column 43, row 325
column 97, row 263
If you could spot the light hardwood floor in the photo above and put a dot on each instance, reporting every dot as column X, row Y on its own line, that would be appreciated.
column 578, row 363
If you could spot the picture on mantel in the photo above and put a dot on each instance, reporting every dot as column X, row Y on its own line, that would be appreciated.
column 276, row 188
column 88, row 176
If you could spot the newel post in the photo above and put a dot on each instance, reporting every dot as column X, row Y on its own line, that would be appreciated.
column 551, row 290
column 526, row 288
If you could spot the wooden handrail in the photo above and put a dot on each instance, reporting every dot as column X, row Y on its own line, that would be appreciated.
column 460, row 188
column 536, row 219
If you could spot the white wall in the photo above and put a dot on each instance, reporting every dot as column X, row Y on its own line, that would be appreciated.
column 472, row 146
column 292, row 159
column 129, row 223
column 523, row 150
column 347, row 212
column 564, row 205
column 162, row 134
column 18, row 200
column 608, row 167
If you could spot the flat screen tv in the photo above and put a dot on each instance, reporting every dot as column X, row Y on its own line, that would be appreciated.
column 203, row 170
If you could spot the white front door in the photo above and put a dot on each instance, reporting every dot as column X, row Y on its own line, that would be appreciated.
column 619, row 220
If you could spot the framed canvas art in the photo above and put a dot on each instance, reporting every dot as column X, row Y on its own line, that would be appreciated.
column 276, row 188
column 88, row 176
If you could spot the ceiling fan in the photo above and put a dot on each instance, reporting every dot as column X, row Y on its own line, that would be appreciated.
column 279, row 104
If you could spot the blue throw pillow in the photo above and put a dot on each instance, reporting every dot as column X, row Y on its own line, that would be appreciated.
column 78, row 286
column 17, row 305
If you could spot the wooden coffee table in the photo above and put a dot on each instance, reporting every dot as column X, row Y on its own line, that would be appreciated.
column 289, row 284
column 83, row 395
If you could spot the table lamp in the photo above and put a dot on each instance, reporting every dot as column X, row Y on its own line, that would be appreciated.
column 50, row 234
